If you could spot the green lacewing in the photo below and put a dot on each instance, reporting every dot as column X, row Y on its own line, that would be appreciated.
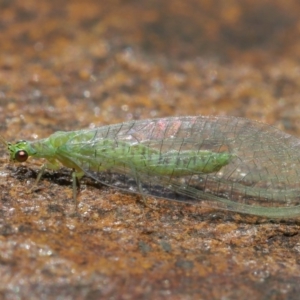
column 222, row 162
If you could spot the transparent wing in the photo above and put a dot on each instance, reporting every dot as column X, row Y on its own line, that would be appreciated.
column 261, row 178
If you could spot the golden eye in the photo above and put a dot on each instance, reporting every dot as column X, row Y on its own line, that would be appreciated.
column 21, row 156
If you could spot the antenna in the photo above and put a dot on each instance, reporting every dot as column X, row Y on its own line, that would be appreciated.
column 3, row 141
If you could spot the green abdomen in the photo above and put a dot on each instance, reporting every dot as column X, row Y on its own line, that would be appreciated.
column 174, row 163
column 187, row 163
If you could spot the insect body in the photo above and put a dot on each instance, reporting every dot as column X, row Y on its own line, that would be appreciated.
column 225, row 162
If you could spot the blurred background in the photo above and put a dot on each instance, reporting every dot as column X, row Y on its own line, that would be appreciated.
column 76, row 63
